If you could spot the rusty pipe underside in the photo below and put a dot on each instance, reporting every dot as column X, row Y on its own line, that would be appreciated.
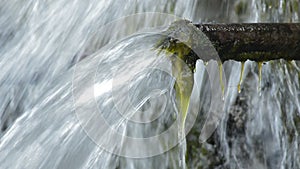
column 254, row 41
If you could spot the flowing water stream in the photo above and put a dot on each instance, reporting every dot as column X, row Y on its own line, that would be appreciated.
column 83, row 86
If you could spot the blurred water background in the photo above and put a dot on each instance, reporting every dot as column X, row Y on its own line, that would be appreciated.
column 42, row 41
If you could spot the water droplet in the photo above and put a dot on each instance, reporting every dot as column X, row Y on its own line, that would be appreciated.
column 259, row 76
column 241, row 76
column 221, row 78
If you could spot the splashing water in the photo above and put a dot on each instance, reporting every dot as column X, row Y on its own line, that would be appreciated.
column 56, row 79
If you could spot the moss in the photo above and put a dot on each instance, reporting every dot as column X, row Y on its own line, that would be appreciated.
column 176, row 43
column 180, row 40
column 241, row 8
column 175, row 48
column 295, row 6
column 284, row 6
column 172, row 6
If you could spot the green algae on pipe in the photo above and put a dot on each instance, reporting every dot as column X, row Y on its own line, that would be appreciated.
column 254, row 41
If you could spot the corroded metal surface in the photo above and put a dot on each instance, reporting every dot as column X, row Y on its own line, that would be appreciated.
column 254, row 41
